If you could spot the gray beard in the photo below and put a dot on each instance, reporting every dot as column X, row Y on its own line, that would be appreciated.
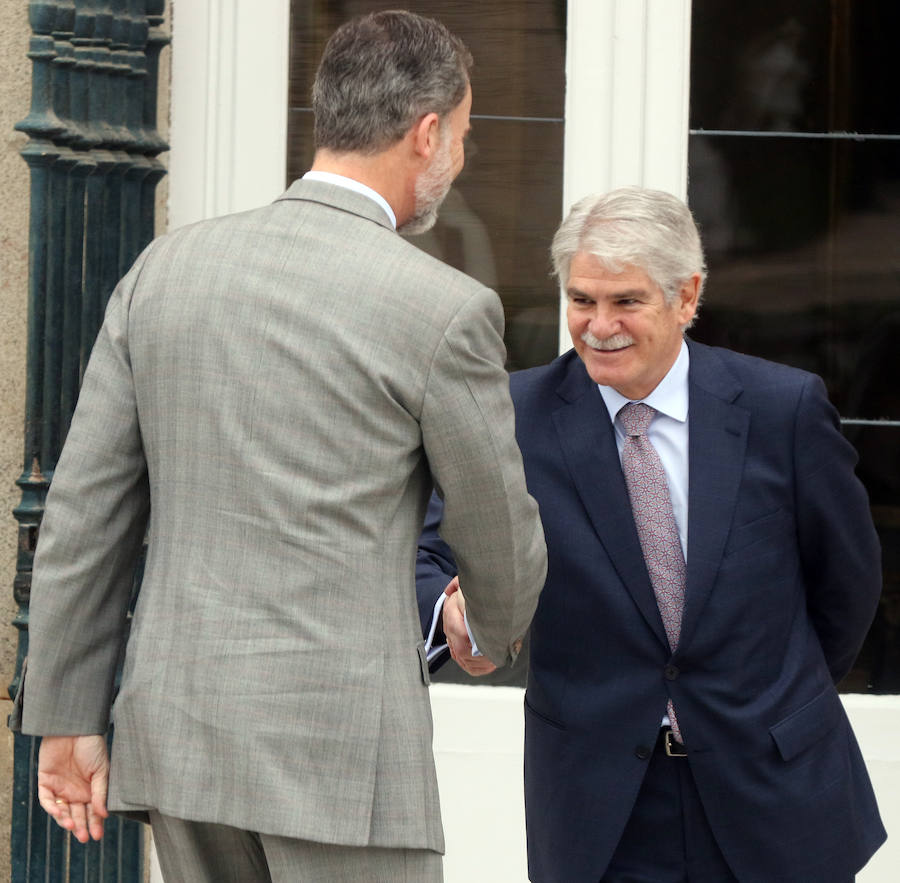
column 432, row 187
column 420, row 223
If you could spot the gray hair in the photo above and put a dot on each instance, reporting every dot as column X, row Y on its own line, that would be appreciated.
column 633, row 226
column 379, row 74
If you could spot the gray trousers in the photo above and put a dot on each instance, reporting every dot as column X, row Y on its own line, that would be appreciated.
column 200, row 852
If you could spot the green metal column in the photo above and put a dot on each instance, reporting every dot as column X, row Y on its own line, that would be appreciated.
column 92, row 158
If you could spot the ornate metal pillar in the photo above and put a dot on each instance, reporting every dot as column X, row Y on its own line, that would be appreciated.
column 92, row 157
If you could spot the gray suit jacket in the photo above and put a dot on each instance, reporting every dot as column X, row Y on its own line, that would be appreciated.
column 268, row 400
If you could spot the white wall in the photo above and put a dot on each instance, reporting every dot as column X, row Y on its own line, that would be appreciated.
column 626, row 111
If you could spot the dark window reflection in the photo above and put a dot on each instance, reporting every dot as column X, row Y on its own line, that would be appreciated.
column 802, row 239
column 795, row 179
column 877, row 669
column 497, row 223
column 795, row 65
column 500, row 215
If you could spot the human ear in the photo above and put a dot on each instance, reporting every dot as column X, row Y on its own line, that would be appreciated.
column 688, row 297
column 426, row 134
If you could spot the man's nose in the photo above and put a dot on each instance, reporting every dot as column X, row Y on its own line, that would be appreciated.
column 603, row 322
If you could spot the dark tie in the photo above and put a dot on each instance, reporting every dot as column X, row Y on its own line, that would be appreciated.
column 655, row 522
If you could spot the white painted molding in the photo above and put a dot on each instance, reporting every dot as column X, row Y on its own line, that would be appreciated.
column 628, row 87
column 667, row 96
column 229, row 106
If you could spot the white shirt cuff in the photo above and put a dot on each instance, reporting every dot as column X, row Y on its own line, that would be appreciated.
column 432, row 651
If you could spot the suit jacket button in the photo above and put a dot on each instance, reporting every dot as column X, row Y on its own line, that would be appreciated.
column 671, row 672
column 643, row 752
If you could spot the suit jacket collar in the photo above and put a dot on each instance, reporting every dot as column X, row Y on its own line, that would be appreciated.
column 336, row 197
column 716, row 446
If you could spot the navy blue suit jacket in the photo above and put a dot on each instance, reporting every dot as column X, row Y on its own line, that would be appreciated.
column 783, row 578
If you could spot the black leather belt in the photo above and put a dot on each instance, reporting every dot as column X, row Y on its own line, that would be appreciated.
column 667, row 745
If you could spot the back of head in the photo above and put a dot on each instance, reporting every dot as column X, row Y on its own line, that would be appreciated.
column 379, row 74
column 633, row 227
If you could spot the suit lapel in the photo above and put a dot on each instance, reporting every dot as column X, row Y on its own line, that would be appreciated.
column 588, row 444
column 716, row 448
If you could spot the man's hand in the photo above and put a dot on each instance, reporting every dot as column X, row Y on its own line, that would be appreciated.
column 72, row 779
column 458, row 636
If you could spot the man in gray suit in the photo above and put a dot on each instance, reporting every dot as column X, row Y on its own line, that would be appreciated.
column 269, row 401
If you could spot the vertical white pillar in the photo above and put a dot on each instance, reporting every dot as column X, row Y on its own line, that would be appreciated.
column 229, row 106
column 627, row 93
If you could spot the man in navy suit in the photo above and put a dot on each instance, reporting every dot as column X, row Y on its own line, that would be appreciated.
column 721, row 752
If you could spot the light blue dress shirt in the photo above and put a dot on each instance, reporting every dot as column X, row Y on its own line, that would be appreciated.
column 668, row 433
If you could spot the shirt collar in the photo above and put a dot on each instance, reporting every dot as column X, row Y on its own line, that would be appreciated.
column 353, row 184
column 670, row 396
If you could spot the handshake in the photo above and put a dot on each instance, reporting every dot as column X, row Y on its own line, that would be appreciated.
column 456, row 631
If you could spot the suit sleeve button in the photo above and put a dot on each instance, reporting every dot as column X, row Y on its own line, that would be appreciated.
column 671, row 672
column 643, row 752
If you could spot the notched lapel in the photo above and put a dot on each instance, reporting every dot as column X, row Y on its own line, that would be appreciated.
column 588, row 443
column 717, row 446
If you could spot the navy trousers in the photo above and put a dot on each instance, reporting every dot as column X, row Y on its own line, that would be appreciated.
column 668, row 838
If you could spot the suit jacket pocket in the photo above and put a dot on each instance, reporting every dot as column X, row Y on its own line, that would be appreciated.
column 808, row 724
column 771, row 526
column 531, row 710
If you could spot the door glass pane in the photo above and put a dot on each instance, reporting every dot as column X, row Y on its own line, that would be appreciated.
column 498, row 220
column 878, row 668
column 500, row 216
column 794, row 170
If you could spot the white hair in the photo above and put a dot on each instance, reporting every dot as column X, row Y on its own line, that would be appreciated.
column 633, row 227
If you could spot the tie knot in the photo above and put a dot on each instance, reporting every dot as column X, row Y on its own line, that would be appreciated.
column 636, row 417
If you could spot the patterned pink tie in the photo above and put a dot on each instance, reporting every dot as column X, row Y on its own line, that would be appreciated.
column 655, row 522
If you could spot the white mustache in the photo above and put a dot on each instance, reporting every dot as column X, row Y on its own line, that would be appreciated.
column 616, row 342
